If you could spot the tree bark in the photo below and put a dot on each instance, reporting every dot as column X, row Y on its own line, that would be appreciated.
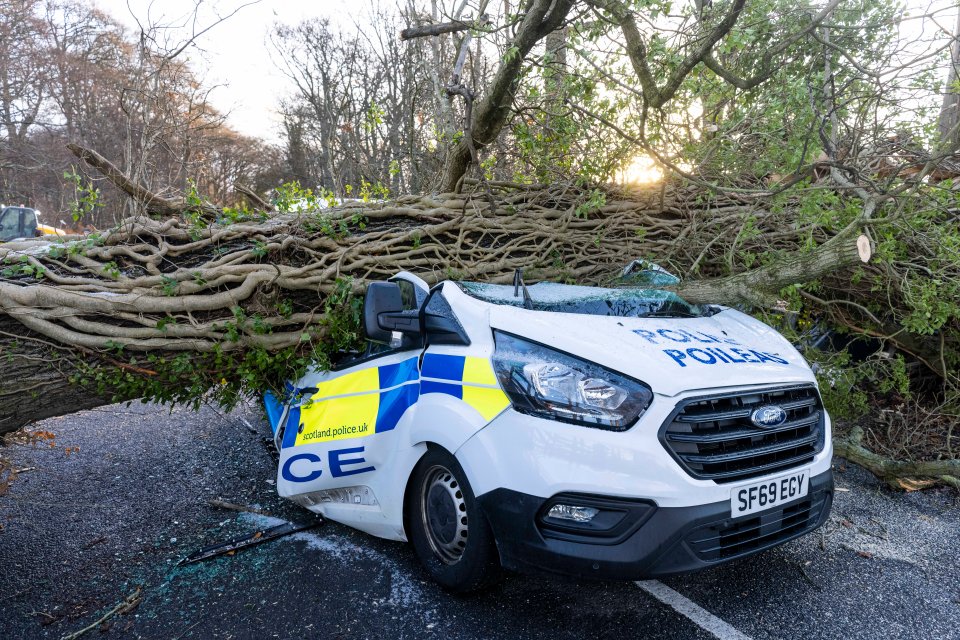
column 760, row 286
column 38, row 378
column 555, row 71
column 439, row 29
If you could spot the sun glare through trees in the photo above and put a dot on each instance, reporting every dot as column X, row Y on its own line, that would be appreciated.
column 642, row 170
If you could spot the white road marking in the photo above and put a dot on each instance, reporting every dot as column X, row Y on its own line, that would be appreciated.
column 700, row 616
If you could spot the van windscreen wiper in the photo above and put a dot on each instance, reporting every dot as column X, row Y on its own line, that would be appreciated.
column 517, row 285
column 669, row 314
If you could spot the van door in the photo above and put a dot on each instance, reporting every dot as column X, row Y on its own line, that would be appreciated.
column 340, row 434
column 344, row 428
column 341, row 427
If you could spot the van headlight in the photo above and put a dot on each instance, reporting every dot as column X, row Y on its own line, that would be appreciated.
column 551, row 384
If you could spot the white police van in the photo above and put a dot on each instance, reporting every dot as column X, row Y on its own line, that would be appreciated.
column 606, row 433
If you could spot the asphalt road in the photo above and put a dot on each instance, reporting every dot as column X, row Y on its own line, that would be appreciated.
column 83, row 531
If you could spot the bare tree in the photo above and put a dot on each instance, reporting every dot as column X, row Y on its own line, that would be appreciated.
column 72, row 74
column 24, row 78
column 361, row 111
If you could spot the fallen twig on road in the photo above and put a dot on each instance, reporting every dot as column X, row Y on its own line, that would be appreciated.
column 49, row 618
column 17, row 594
column 806, row 576
column 95, row 541
column 249, row 426
column 860, row 552
column 190, row 628
column 128, row 604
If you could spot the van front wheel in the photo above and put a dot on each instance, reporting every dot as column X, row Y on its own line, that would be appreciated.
column 450, row 535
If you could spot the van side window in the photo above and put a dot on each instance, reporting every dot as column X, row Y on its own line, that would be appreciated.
column 17, row 222
column 28, row 223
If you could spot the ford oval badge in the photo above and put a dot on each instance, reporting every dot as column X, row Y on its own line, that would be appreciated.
column 768, row 416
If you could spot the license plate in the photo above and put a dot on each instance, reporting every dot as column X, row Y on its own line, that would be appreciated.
column 767, row 494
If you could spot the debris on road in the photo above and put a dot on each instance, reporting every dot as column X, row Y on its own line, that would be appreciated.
column 129, row 604
column 47, row 618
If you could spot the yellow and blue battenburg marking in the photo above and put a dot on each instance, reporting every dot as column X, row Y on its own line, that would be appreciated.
column 469, row 378
column 369, row 401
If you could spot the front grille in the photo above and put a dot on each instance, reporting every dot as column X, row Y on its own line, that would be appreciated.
column 728, row 539
column 713, row 438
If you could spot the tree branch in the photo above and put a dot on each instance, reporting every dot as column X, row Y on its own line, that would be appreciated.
column 493, row 111
column 766, row 60
column 636, row 48
column 441, row 28
column 153, row 203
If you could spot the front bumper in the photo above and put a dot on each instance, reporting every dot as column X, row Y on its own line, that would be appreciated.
column 651, row 541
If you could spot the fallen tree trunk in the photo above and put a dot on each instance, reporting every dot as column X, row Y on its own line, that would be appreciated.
column 169, row 310
column 895, row 472
column 38, row 378
column 177, row 309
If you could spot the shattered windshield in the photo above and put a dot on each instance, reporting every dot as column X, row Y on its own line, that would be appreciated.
column 597, row 301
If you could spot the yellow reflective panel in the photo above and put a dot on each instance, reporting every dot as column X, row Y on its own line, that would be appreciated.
column 487, row 401
column 340, row 418
column 478, row 371
column 365, row 380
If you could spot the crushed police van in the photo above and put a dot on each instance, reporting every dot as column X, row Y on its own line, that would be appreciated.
column 603, row 433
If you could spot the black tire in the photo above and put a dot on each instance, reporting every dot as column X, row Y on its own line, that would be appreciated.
column 450, row 534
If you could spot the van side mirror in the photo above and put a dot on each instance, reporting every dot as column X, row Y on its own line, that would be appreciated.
column 383, row 313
